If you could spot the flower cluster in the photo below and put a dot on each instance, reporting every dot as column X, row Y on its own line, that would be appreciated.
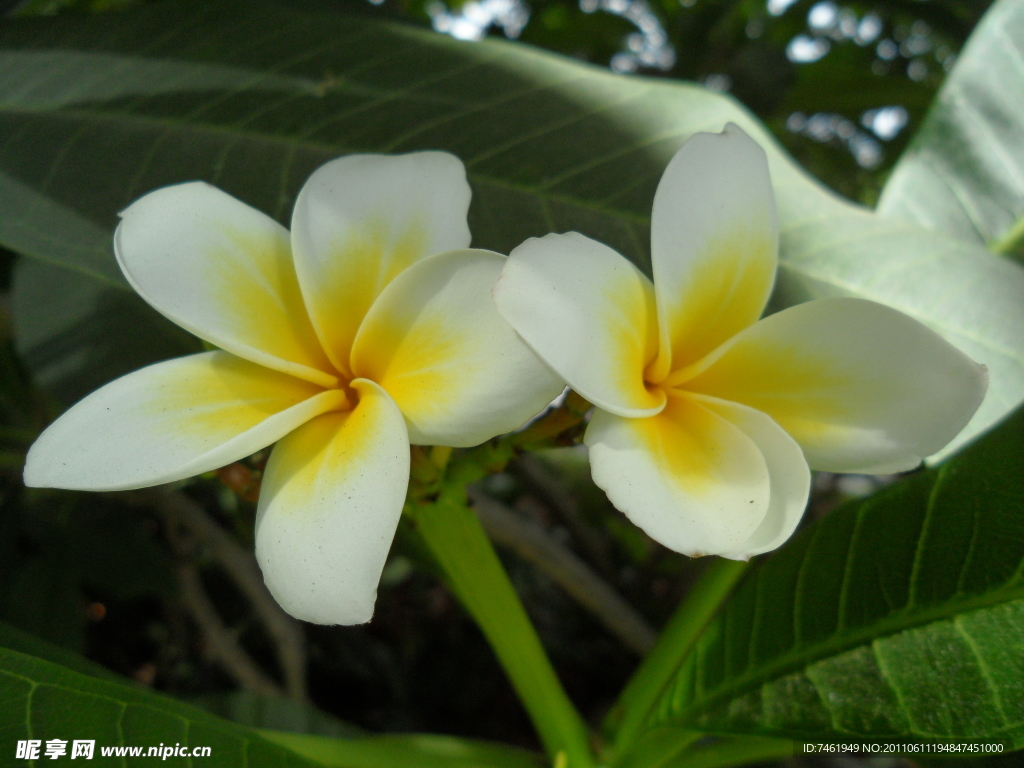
column 371, row 326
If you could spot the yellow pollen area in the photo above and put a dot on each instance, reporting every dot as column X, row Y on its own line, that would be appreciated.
column 256, row 285
column 356, row 271
column 725, row 293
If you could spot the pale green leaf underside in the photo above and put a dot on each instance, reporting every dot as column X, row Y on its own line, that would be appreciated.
column 964, row 171
column 898, row 616
column 253, row 96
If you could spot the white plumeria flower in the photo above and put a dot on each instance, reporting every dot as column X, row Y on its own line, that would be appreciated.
column 369, row 327
column 707, row 418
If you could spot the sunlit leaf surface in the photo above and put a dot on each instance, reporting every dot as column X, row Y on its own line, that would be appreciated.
column 252, row 97
column 964, row 171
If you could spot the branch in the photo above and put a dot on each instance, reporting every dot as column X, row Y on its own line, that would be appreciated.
column 542, row 483
column 532, row 543
column 221, row 644
column 181, row 512
column 240, row 565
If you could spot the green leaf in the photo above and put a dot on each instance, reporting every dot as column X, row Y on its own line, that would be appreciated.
column 253, row 96
column 54, row 694
column 77, row 332
column 898, row 616
column 270, row 712
column 964, row 172
column 43, row 700
column 15, row 639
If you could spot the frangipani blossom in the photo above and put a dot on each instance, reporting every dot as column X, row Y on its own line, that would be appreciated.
column 707, row 417
column 369, row 326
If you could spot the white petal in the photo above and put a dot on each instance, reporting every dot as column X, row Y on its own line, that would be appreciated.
column 860, row 386
column 788, row 472
column 689, row 478
column 435, row 342
column 172, row 420
column 714, row 244
column 331, row 498
column 360, row 220
column 223, row 271
column 589, row 314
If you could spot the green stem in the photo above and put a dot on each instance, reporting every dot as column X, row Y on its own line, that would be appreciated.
column 677, row 638
column 457, row 540
column 1012, row 242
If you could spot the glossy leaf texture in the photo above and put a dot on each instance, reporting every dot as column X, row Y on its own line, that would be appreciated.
column 252, row 96
column 901, row 615
column 963, row 173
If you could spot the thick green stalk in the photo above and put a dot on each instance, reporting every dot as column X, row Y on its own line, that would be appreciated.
column 457, row 540
column 645, row 688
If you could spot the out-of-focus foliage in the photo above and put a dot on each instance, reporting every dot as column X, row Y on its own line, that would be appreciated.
column 964, row 172
column 842, row 84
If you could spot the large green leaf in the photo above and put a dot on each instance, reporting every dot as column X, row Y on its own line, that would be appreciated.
column 53, row 694
column 276, row 714
column 76, row 333
column 964, row 171
column 15, row 639
column 44, row 700
column 253, row 96
column 898, row 616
